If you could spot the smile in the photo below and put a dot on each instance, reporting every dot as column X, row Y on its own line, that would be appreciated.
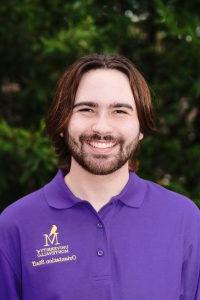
column 101, row 145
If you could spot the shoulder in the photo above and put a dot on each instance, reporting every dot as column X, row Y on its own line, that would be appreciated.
column 23, row 207
column 162, row 200
column 15, row 222
column 171, row 201
column 18, row 219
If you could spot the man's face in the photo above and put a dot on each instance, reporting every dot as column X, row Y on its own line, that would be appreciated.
column 103, row 131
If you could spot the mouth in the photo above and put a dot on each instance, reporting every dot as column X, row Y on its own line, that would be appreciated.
column 101, row 147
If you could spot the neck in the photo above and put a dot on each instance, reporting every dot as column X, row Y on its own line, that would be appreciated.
column 97, row 189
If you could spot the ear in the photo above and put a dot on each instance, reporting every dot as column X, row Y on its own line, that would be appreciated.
column 141, row 135
column 61, row 134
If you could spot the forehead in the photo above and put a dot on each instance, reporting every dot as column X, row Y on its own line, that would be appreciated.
column 104, row 86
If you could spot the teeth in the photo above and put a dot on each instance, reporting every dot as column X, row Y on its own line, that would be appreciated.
column 101, row 145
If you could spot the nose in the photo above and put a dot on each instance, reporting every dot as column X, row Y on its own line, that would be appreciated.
column 102, row 124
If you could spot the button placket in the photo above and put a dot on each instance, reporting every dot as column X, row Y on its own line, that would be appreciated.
column 101, row 256
column 100, row 252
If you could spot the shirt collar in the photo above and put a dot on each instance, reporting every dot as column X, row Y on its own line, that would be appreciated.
column 58, row 195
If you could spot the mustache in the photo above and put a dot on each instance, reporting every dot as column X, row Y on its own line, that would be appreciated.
column 98, row 137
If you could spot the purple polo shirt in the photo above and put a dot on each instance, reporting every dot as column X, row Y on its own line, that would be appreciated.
column 144, row 244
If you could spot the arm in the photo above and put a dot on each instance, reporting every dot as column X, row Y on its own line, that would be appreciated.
column 190, row 285
column 9, row 281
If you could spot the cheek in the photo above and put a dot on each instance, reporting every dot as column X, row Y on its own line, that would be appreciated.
column 130, row 129
column 75, row 127
column 126, row 128
column 79, row 125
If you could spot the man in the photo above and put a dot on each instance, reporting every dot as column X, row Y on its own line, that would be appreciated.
column 97, row 230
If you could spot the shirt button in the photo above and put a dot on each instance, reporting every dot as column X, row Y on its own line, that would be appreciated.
column 99, row 225
column 100, row 252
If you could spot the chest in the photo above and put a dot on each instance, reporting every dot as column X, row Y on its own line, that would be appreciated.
column 111, row 256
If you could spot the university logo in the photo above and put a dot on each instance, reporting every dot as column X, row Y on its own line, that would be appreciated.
column 52, row 251
column 52, row 237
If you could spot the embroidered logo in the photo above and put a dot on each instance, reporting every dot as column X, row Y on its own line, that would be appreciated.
column 52, row 247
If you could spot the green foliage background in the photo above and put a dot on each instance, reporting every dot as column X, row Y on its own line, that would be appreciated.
column 39, row 39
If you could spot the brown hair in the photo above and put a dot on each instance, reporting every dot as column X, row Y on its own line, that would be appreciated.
column 62, row 105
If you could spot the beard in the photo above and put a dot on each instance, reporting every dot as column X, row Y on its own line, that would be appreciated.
column 101, row 164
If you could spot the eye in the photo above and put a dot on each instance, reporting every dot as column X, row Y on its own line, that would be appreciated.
column 86, row 110
column 120, row 111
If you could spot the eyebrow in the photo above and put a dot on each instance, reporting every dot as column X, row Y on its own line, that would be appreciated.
column 94, row 104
